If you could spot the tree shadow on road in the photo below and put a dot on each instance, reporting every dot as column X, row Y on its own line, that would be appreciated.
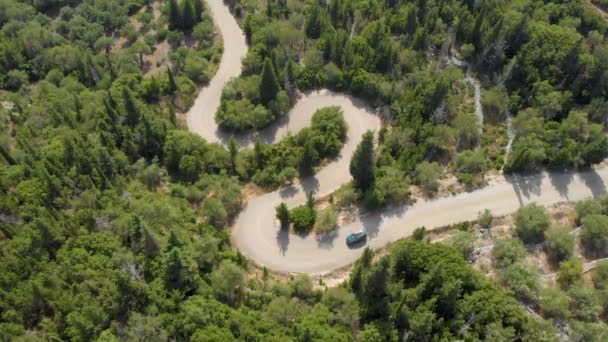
column 326, row 240
column 561, row 181
column 289, row 191
column 525, row 186
column 310, row 184
column 371, row 224
column 594, row 182
column 283, row 240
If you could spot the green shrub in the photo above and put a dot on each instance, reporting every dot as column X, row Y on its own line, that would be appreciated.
column 523, row 280
column 303, row 218
column 585, row 303
column 427, row 175
column 16, row 79
column 600, row 279
column 347, row 196
column 464, row 242
column 560, row 243
column 587, row 207
column 594, row 235
column 327, row 220
column 508, row 251
column 485, row 219
column 419, row 233
column 570, row 272
column 374, row 199
column 555, row 303
column 531, row 222
column 466, row 178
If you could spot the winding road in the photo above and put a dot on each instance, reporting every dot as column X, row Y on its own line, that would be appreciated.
column 257, row 235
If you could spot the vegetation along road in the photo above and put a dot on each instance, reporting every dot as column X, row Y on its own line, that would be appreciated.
column 257, row 235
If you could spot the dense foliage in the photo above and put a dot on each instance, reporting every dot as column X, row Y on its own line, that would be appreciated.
column 543, row 63
column 427, row 291
column 112, row 218
column 273, row 165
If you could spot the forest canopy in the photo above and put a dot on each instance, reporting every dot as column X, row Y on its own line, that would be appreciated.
column 113, row 217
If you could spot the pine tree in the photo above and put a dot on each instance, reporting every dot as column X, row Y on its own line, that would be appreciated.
column 135, row 234
column 334, row 12
column 269, row 87
column 308, row 158
column 188, row 19
column 310, row 200
column 154, row 91
column 313, row 24
column 172, row 115
column 198, row 11
column 290, row 79
column 7, row 156
column 172, row 85
column 130, row 107
column 151, row 245
column 269, row 8
column 282, row 214
column 233, row 148
column 173, row 241
column 247, row 27
column 258, row 151
column 173, row 270
column 175, row 20
column 362, row 166
column 290, row 72
column 111, row 101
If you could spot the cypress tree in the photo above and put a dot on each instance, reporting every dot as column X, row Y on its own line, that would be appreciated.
column 188, row 19
column 313, row 22
column 233, row 147
column 7, row 156
column 111, row 101
column 172, row 85
column 282, row 214
column 310, row 200
column 247, row 27
column 130, row 107
column 173, row 241
column 362, row 166
column 154, row 90
column 334, row 12
column 198, row 11
column 269, row 87
column 258, row 151
column 308, row 159
column 151, row 245
column 269, row 8
column 174, row 15
column 172, row 115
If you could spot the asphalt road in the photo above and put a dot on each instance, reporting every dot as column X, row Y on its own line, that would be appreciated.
column 257, row 235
